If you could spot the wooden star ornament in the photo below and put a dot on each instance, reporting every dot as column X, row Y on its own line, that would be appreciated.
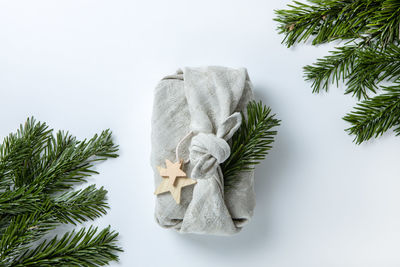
column 174, row 179
column 173, row 171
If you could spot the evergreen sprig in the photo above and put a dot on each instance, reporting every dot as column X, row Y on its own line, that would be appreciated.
column 325, row 20
column 83, row 248
column 251, row 143
column 369, row 58
column 37, row 173
column 374, row 116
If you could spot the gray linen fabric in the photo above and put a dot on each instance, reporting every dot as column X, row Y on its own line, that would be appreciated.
column 206, row 103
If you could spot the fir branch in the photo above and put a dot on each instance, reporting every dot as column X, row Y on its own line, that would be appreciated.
column 82, row 248
column 325, row 21
column 24, row 199
column 370, row 57
column 372, row 66
column 331, row 69
column 36, row 171
column 21, row 232
column 251, row 143
column 68, row 161
column 373, row 117
column 385, row 22
column 363, row 68
column 20, row 152
column 80, row 206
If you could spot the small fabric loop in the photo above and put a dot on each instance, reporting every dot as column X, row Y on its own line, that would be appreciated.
column 229, row 126
column 208, row 150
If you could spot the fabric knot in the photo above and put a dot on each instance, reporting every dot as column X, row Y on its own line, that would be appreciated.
column 208, row 150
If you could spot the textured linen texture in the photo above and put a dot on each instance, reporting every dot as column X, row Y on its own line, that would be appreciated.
column 206, row 102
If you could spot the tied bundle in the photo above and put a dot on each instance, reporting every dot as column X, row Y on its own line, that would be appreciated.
column 195, row 114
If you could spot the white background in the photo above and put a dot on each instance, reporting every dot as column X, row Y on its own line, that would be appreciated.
column 85, row 66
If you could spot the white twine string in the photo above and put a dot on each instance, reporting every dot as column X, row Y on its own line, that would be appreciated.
column 179, row 144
